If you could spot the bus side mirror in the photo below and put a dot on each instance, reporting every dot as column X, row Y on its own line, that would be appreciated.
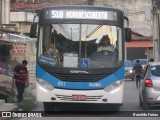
column 128, row 34
column 33, row 30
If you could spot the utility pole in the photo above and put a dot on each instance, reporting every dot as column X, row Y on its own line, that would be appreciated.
column 156, row 29
column 1, row 17
column 90, row 2
column 5, row 11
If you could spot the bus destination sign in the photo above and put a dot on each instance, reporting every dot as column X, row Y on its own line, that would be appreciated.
column 80, row 14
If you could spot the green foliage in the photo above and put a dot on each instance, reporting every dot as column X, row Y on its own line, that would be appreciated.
column 29, row 103
column 10, row 99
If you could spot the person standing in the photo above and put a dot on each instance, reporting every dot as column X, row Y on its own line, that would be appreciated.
column 149, row 61
column 137, row 68
column 21, row 79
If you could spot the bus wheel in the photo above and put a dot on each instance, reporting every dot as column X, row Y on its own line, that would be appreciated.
column 48, row 107
column 114, row 108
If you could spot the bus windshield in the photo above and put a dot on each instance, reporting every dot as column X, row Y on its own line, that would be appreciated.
column 80, row 45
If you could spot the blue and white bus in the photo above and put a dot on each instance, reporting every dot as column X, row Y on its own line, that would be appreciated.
column 76, row 72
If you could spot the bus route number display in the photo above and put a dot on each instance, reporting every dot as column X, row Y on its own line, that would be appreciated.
column 80, row 14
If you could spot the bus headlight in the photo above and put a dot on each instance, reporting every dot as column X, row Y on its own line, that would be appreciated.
column 113, row 86
column 45, row 84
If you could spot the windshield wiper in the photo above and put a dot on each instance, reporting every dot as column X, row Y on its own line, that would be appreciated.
column 91, row 33
column 64, row 30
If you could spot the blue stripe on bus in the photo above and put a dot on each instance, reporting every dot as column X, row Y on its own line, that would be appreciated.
column 118, row 75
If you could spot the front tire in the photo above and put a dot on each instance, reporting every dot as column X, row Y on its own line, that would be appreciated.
column 114, row 108
column 48, row 107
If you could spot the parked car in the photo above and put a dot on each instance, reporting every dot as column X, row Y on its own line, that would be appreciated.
column 149, row 87
column 128, row 70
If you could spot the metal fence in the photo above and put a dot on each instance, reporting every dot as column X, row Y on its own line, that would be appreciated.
column 6, row 69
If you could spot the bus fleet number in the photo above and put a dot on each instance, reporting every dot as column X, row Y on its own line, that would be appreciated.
column 60, row 83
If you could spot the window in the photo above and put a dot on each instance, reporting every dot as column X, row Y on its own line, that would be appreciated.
column 80, row 45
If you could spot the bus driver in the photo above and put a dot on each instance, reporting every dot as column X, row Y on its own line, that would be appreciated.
column 105, row 44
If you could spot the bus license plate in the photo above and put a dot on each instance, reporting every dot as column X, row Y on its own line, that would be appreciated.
column 78, row 97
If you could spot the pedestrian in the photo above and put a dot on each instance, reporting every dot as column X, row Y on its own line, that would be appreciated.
column 21, row 79
column 137, row 68
column 149, row 61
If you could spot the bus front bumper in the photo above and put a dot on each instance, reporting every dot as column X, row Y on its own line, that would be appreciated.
column 80, row 96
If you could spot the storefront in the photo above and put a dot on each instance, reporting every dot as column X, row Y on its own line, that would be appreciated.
column 139, row 49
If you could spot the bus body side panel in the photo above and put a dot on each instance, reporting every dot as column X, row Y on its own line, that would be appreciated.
column 101, row 84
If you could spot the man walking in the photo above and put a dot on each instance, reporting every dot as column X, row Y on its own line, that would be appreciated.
column 137, row 68
column 21, row 79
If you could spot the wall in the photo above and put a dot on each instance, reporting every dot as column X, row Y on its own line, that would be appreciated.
column 135, row 11
column 19, row 51
column 21, row 16
column 26, row 51
column 136, row 53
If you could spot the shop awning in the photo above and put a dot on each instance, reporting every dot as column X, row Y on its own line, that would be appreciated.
column 137, row 43
column 16, row 38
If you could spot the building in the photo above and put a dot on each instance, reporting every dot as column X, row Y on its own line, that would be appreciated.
column 140, row 47
column 140, row 21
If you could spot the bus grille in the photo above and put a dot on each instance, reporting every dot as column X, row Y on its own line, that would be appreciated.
column 88, row 98
column 80, row 77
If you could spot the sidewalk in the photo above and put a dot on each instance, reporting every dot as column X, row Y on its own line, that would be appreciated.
column 8, row 107
column 12, row 106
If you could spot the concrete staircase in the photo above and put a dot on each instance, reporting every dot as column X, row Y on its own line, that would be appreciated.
column 7, row 106
column 8, row 71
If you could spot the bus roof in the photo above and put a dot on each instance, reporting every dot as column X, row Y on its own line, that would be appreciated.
column 80, row 14
column 83, row 7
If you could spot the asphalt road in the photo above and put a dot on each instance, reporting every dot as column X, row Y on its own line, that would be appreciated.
column 130, row 98
column 130, row 110
column 130, row 101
